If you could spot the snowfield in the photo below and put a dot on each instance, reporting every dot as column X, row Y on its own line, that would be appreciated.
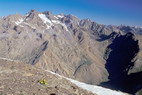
column 94, row 89
column 44, row 18
column 19, row 21
column 51, row 22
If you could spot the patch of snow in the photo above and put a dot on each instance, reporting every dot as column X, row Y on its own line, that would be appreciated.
column 7, row 59
column 58, row 22
column 19, row 21
column 27, row 14
column 60, row 16
column 30, row 25
column 65, row 27
column 44, row 18
column 21, row 25
column 137, row 27
column 56, row 17
column 94, row 89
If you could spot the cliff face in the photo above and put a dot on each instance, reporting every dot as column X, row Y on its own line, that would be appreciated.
column 79, row 49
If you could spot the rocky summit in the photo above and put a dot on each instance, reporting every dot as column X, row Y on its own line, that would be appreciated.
column 105, row 55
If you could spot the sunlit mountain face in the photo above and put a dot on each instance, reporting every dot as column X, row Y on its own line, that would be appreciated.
column 93, row 44
column 81, row 49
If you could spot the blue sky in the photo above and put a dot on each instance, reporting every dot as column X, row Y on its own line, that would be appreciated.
column 116, row 12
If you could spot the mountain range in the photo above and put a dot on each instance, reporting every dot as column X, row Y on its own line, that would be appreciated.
column 81, row 49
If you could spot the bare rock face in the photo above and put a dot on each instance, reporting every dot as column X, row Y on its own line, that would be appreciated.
column 60, row 43
column 64, row 44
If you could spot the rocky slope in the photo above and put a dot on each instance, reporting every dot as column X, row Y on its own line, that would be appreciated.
column 22, row 79
column 78, row 49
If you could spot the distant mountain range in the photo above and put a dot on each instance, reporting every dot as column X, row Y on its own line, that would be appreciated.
column 84, row 50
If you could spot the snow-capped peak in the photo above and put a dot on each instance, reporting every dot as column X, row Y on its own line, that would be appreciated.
column 51, row 22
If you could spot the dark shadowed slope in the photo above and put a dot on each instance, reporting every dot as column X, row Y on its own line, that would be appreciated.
column 122, row 56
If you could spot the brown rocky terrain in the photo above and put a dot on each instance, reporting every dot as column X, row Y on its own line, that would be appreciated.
column 78, row 49
column 22, row 79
